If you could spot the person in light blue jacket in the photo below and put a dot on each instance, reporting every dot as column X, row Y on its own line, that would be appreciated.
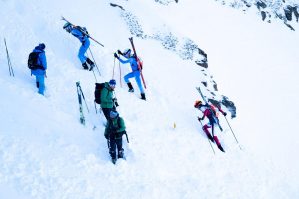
column 40, row 72
column 82, row 35
column 135, row 71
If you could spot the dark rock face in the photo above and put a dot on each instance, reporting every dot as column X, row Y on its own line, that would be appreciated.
column 269, row 10
column 229, row 105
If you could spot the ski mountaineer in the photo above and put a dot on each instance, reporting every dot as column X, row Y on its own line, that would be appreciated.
column 135, row 71
column 82, row 35
column 114, row 131
column 40, row 71
column 108, row 101
column 212, row 117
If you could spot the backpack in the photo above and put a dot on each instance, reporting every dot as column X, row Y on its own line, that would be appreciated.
column 140, row 63
column 98, row 91
column 33, row 61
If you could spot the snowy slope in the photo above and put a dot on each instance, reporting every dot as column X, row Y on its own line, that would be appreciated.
column 46, row 153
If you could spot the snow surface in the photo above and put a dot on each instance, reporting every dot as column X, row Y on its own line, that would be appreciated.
column 46, row 153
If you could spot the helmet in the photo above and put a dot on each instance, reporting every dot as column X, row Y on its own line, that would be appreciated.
column 67, row 26
column 197, row 103
column 113, row 114
column 112, row 82
column 127, row 52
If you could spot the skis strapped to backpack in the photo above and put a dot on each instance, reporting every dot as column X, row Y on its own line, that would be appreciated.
column 138, row 61
column 209, row 107
column 83, row 31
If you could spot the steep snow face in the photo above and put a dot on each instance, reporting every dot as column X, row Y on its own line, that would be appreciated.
column 46, row 153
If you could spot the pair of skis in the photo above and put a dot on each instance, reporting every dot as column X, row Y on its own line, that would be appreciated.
column 83, row 31
column 80, row 99
column 138, row 62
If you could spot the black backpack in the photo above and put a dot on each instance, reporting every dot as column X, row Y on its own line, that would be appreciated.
column 98, row 91
column 33, row 60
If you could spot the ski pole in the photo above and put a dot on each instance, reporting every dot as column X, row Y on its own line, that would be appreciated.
column 94, row 61
column 95, row 107
column 11, row 73
column 113, row 68
column 62, row 18
column 232, row 132
column 94, row 76
column 120, row 75
column 208, row 139
column 108, row 143
column 127, row 137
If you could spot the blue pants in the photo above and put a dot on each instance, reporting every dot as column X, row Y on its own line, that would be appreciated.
column 135, row 74
column 82, row 51
column 41, row 80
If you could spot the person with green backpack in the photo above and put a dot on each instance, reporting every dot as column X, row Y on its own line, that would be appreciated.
column 114, row 131
column 107, row 98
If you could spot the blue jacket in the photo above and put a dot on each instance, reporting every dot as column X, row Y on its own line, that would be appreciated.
column 77, row 33
column 132, row 61
column 41, row 61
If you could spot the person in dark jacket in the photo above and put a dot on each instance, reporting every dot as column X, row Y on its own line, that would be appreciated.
column 114, row 131
column 135, row 70
column 82, row 35
column 40, row 73
column 108, row 99
column 210, row 112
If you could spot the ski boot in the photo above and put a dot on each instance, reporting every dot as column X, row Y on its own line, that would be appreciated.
column 218, row 144
column 84, row 65
column 143, row 96
column 131, row 89
column 113, row 160
column 90, row 63
column 121, row 154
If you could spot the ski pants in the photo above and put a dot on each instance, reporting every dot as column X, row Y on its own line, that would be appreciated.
column 135, row 74
column 84, row 47
column 41, row 82
column 115, row 143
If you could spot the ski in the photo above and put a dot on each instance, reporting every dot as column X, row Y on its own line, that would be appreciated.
column 204, row 99
column 82, row 118
column 83, row 31
column 139, row 67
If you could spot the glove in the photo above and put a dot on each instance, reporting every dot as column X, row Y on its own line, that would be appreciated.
column 199, row 119
column 115, row 102
column 224, row 113
column 116, row 56
column 119, row 52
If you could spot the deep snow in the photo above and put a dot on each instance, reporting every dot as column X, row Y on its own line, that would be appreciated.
column 46, row 153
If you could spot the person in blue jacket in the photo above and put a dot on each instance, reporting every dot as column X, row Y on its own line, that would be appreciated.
column 135, row 71
column 40, row 72
column 82, row 35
